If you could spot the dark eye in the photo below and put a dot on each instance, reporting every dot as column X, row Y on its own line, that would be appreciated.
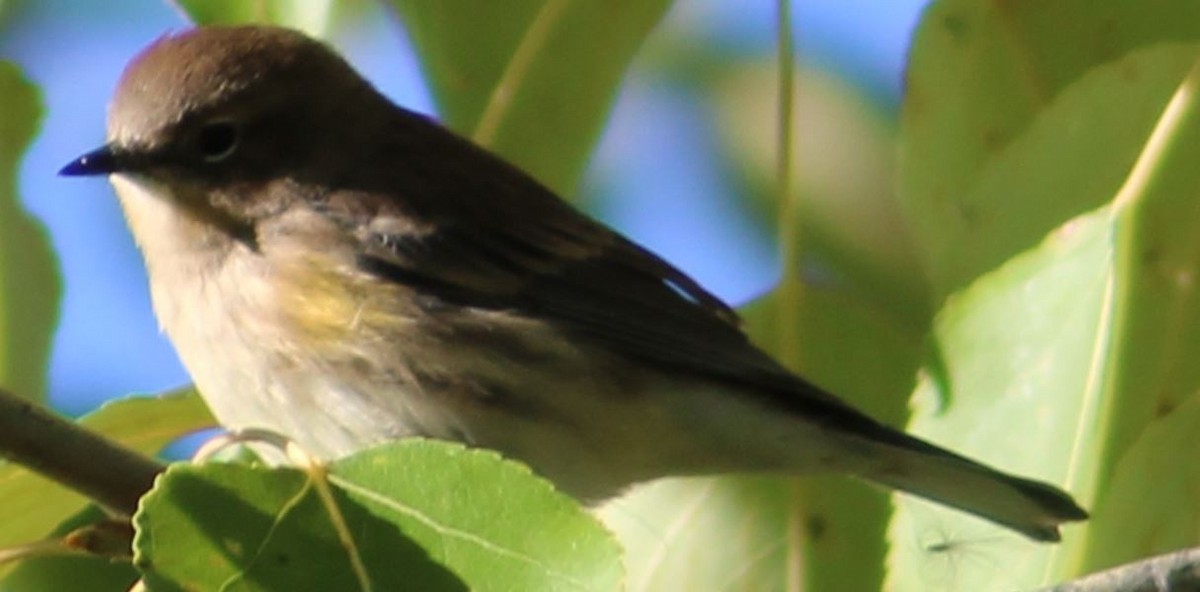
column 217, row 140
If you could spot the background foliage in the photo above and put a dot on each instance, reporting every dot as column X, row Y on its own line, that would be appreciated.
column 1031, row 282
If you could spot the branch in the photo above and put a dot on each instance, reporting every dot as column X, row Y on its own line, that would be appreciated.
column 92, row 465
column 1174, row 571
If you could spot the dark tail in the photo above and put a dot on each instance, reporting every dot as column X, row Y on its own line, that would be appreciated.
column 848, row 440
column 1030, row 507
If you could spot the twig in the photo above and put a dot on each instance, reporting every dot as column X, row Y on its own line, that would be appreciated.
column 108, row 473
column 1173, row 572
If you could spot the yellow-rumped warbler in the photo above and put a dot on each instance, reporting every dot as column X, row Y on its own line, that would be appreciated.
column 343, row 271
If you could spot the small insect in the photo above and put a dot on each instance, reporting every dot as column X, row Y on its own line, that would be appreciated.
column 953, row 561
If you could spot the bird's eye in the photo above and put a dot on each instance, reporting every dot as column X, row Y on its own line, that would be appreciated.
column 217, row 140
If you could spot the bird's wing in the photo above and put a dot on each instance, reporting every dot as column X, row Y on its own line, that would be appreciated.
column 585, row 279
column 464, row 227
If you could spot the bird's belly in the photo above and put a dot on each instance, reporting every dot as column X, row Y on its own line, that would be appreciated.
column 567, row 425
column 336, row 372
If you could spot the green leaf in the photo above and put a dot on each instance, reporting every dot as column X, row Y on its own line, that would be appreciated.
column 310, row 16
column 75, row 573
column 232, row 527
column 78, row 573
column 701, row 534
column 147, row 423
column 981, row 73
column 1070, row 159
column 1149, row 506
column 1020, row 366
column 751, row 533
column 532, row 80
column 491, row 520
column 1072, row 358
column 837, row 325
column 844, row 179
column 29, row 280
column 1155, row 329
column 409, row 508
column 31, row 506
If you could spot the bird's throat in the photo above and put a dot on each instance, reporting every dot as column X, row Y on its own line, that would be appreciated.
column 180, row 221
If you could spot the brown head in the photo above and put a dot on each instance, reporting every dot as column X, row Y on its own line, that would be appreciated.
column 219, row 113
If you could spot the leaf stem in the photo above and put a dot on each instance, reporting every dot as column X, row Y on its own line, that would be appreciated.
column 318, row 477
column 789, row 292
column 518, row 66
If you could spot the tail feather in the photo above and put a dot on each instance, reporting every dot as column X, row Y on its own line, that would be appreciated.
column 823, row 433
column 1032, row 508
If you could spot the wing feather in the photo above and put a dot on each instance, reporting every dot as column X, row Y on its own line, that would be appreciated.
column 472, row 230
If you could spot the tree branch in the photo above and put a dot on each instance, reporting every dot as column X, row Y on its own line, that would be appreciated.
column 92, row 465
column 1174, row 571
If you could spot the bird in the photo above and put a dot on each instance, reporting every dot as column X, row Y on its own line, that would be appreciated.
column 343, row 271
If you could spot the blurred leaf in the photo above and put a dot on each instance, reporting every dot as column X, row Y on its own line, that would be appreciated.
column 1150, row 500
column 979, row 75
column 1071, row 158
column 310, row 16
column 836, row 328
column 751, row 533
column 410, row 508
column 77, row 573
column 844, row 177
column 147, row 423
column 701, row 534
column 1020, row 347
column 32, row 506
column 1155, row 331
column 1058, row 363
column 29, row 280
column 533, row 80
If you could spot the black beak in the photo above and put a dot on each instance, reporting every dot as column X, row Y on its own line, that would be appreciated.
column 101, row 161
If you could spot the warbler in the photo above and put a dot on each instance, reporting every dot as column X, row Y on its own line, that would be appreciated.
column 345, row 272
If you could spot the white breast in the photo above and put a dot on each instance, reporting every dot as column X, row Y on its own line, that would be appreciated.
column 218, row 303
